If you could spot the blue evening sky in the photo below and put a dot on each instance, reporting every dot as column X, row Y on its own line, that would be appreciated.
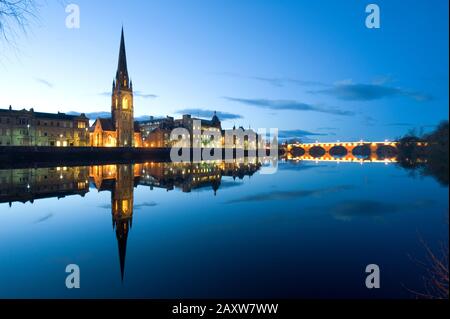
column 310, row 68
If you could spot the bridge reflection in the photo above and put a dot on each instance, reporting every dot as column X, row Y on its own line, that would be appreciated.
column 341, row 160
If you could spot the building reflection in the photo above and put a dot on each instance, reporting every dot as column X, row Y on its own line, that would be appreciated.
column 27, row 185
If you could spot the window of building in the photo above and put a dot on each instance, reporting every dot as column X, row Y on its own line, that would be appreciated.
column 125, row 103
column 81, row 124
column 125, row 206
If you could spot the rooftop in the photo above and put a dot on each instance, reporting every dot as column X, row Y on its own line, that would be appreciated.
column 42, row 115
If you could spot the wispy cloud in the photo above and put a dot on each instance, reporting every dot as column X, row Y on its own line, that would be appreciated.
column 135, row 93
column 350, row 209
column 327, row 128
column 286, row 134
column 104, row 206
column 144, row 205
column 44, row 82
column 344, row 90
column 369, row 121
column 289, row 105
column 298, row 166
column 368, row 92
column 400, row 124
column 44, row 218
column 144, row 95
column 224, row 184
column 274, row 81
column 209, row 113
column 288, row 195
column 282, row 82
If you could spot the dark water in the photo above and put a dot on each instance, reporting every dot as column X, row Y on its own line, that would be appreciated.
column 217, row 230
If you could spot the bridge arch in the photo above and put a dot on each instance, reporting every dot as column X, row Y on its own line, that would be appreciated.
column 362, row 151
column 338, row 151
column 317, row 151
column 297, row 151
column 386, row 152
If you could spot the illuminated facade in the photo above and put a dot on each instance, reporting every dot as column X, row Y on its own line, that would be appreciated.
column 120, row 130
column 156, row 132
column 200, row 131
column 241, row 138
column 30, row 128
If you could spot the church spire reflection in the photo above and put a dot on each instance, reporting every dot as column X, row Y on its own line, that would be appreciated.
column 122, row 209
column 120, row 181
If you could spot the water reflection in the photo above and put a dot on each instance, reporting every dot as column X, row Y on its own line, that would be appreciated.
column 306, row 215
column 30, row 184
column 347, row 157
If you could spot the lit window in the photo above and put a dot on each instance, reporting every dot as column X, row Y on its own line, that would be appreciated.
column 125, row 103
column 125, row 206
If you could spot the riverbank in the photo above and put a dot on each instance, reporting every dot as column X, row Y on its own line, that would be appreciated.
column 26, row 156
column 17, row 156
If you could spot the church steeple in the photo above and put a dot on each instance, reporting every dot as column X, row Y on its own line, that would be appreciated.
column 122, row 101
column 122, row 69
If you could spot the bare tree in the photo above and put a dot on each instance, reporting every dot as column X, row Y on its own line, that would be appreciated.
column 15, row 17
column 436, row 276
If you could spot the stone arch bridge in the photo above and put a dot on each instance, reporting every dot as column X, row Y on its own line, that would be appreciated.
column 343, row 151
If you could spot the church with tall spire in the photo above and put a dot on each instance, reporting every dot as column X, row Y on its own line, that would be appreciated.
column 120, row 130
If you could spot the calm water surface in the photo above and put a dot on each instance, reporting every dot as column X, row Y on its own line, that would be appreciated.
column 217, row 230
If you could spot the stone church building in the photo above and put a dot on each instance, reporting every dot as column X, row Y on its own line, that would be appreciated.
column 120, row 130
